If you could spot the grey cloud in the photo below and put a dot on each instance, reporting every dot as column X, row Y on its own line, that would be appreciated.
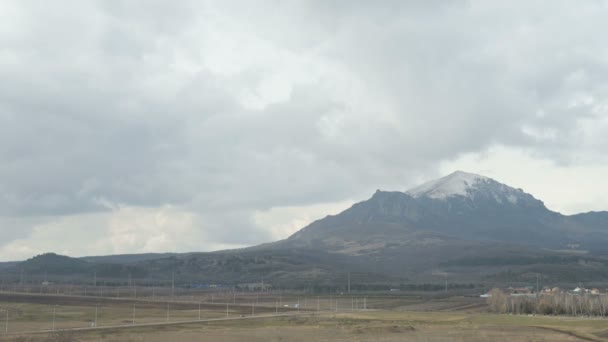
column 105, row 104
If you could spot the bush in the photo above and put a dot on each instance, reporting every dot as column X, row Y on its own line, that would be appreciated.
column 545, row 308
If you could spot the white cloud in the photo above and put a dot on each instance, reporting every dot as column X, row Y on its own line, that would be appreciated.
column 284, row 221
column 123, row 230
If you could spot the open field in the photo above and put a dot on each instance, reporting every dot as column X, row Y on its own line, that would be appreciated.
column 370, row 326
column 391, row 318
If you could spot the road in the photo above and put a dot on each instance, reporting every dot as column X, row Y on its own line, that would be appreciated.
column 113, row 327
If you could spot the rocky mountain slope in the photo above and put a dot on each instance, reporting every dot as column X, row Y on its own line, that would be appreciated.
column 460, row 206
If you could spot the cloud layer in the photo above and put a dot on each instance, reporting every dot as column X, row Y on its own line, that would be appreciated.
column 213, row 120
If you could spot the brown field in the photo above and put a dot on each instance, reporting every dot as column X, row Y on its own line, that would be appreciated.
column 388, row 318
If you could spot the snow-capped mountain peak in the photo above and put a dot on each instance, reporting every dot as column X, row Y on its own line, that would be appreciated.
column 477, row 188
column 461, row 183
column 455, row 184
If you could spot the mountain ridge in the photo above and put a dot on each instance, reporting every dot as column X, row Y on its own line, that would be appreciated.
column 468, row 206
column 465, row 224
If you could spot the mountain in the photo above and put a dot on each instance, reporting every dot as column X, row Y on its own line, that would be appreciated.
column 53, row 263
column 61, row 267
column 460, row 206
column 470, row 227
column 465, row 224
column 126, row 258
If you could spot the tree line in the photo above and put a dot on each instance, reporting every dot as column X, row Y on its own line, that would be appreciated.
column 561, row 303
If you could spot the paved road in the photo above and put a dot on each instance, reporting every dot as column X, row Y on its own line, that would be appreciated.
column 112, row 327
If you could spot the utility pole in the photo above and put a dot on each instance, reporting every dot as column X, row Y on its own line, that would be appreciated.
column 537, row 292
column 172, row 284
column 348, row 282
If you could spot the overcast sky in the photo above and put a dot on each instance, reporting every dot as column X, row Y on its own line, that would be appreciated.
column 154, row 126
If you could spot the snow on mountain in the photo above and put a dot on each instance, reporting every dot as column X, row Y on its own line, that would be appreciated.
column 455, row 184
column 469, row 185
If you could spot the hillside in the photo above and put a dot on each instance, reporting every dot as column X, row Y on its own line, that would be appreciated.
column 465, row 226
column 64, row 268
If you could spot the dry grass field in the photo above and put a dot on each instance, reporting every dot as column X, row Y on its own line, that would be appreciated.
column 389, row 319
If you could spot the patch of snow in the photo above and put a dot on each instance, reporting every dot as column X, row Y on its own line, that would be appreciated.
column 512, row 199
column 453, row 184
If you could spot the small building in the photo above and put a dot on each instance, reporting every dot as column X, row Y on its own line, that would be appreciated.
column 520, row 290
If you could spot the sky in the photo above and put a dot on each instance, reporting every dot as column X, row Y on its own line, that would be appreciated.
column 163, row 126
